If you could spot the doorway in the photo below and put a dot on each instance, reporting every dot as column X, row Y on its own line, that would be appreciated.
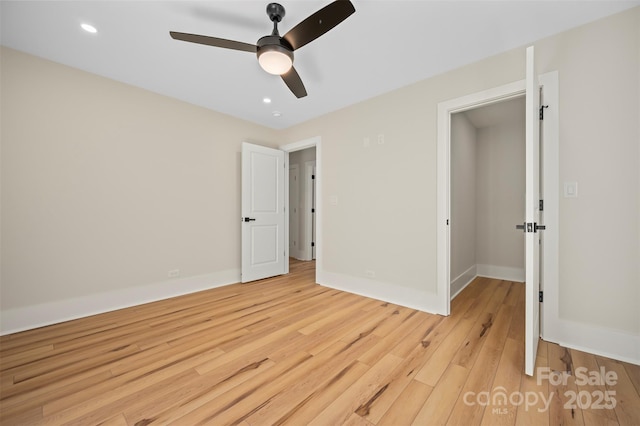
column 487, row 193
column 309, row 169
column 544, row 88
column 302, row 209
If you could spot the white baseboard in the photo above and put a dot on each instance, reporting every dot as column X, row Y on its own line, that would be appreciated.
column 606, row 342
column 501, row 272
column 29, row 317
column 392, row 293
column 463, row 280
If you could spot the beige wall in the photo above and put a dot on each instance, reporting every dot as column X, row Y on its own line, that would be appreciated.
column 105, row 186
column 463, row 195
column 386, row 215
column 500, row 189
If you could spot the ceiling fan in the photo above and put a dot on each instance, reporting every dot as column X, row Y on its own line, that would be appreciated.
column 275, row 53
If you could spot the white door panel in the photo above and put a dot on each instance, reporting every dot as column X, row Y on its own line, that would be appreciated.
column 532, row 214
column 263, row 216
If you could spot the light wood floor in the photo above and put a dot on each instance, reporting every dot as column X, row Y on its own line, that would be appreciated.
column 287, row 351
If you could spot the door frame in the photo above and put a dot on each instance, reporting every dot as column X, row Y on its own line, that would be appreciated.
column 549, row 277
column 309, row 204
column 299, row 146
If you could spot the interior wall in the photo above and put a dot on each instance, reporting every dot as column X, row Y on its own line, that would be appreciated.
column 463, row 224
column 300, row 158
column 107, row 188
column 500, row 188
column 379, row 201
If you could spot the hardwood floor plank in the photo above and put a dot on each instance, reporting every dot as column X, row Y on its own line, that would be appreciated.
column 285, row 350
column 356, row 420
column 409, row 403
column 37, row 397
column 627, row 407
column 387, row 395
column 535, row 410
column 411, row 324
column 240, row 402
column 357, row 394
column 506, row 382
column 184, row 400
column 127, row 384
column 117, row 420
column 561, row 410
column 304, row 411
column 483, row 371
column 471, row 346
column 633, row 371
column 441, row 358
column 93, row 411
column 588, row 366
column 10, row 361
column 439, row 405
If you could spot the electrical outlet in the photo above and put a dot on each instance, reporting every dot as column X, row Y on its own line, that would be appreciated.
column 174, row 273
column 366, row 142
column 369, row 273
column 380, row 139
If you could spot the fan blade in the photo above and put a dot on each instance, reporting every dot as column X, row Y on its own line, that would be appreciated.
column 294, row 83
column 319, row 23
column 214, row 41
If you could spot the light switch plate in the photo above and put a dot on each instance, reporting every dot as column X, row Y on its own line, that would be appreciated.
column 571, row 190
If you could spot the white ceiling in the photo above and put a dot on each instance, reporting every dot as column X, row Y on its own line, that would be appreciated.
column 383, row 46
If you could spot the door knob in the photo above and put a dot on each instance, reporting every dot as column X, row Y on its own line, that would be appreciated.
column 249, row 219
column 531, row 227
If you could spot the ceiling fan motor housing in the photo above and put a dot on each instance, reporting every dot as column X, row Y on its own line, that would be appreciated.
column 271, row 44
column 275, row 12
column 275, row 42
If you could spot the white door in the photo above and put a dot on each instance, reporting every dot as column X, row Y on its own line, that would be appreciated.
column 263, row 216
column 532, row 215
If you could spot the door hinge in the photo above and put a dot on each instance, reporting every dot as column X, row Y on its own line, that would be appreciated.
column 313, row 244
column 542, row 107
column 540, row 296
column 541, row 205
column 313, row 176
column 313, row 210
column 447, row 221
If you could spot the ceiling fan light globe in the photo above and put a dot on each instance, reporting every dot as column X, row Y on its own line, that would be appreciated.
column 275, row 59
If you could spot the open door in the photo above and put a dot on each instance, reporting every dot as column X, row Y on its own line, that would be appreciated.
column 263, row 216
column 532, row 215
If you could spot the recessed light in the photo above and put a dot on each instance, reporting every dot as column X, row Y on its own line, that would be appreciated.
column 266, row 100
column 277, row 113
column 89, row 28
